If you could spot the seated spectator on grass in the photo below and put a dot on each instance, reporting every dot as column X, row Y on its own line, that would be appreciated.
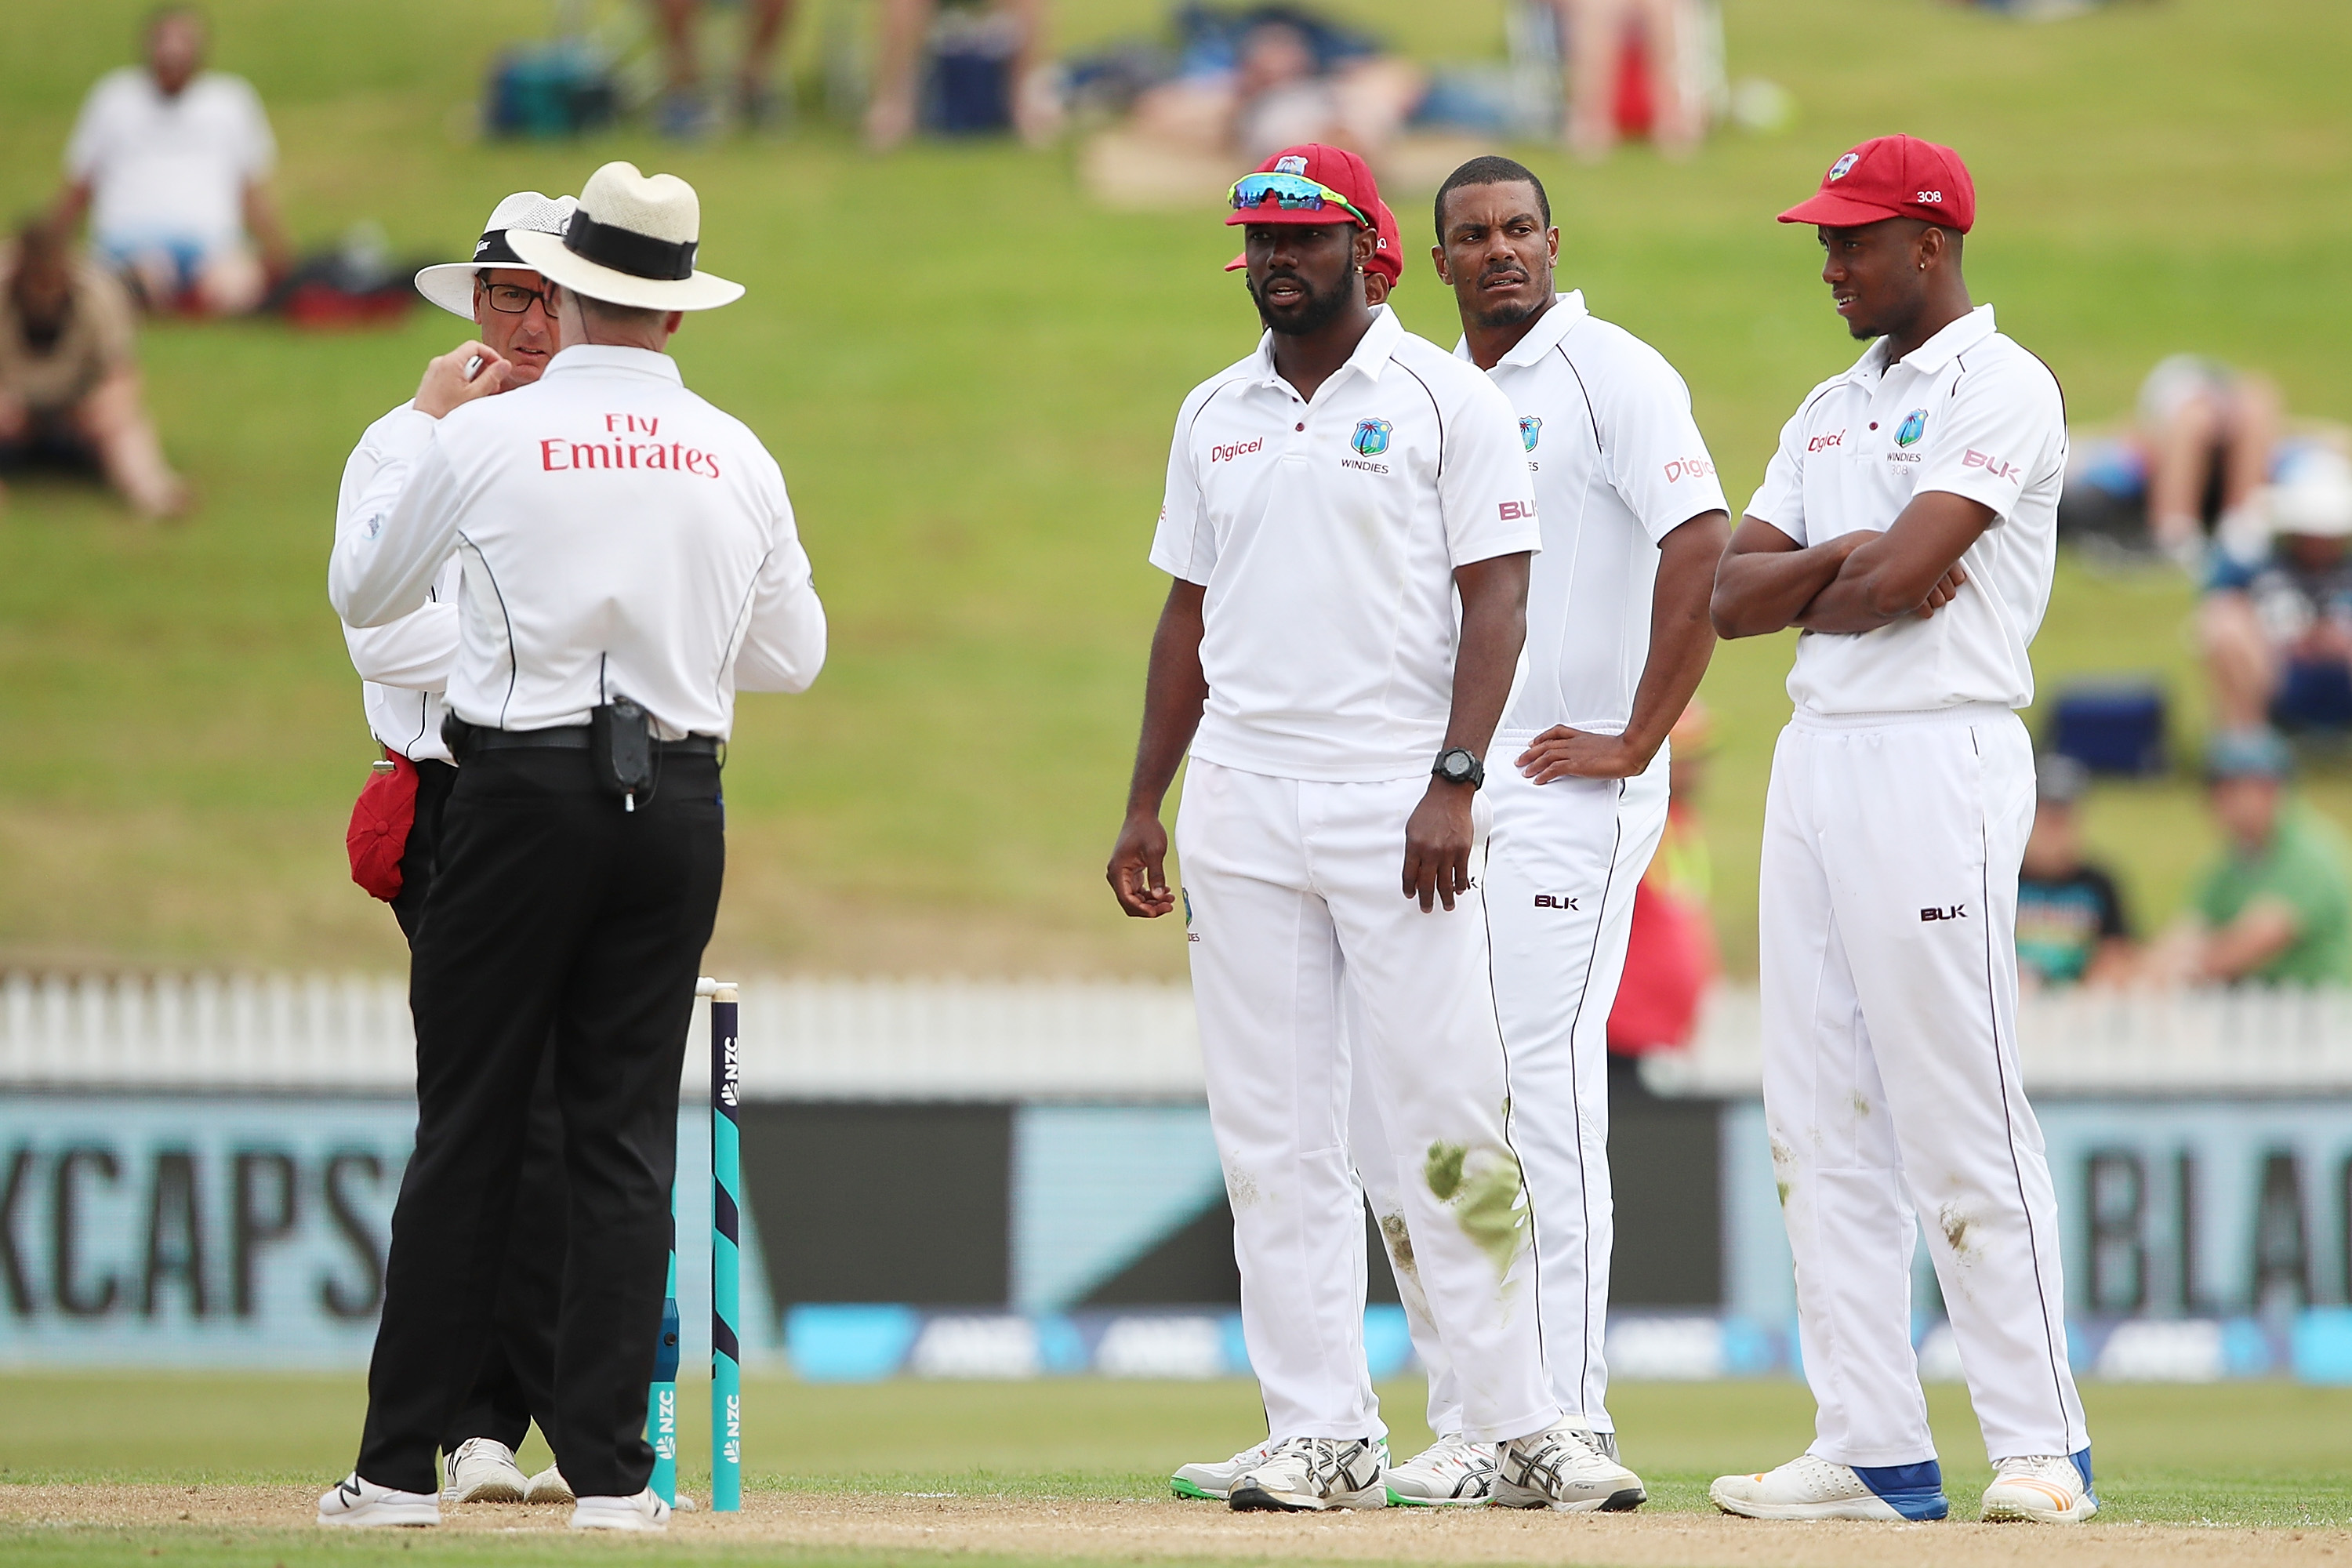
column 1249, row 85
column 170, row 162
column 1005, row 39
column 2206, row 433
column 1625, row 53
column 69, row 383
column 2277, row 631
column 2277, row 905
column 684, row 112
column 2071, row 926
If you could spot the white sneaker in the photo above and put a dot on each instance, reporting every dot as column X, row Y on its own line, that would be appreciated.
column 547, row 1486
column 1212, row 1479
column 483, row 1470
column 1302, row 1475
column 1808, row 1486
column 2047, row 1489
column 644, row 1511
column 355, row 1504
column 1452, row 1472
column 1565, row 1470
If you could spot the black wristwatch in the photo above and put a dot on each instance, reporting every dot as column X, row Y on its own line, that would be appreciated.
column 1460, row 765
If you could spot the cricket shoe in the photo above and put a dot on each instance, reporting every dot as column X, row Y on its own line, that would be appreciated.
column 1452, row 1472
column 547, row 1486
column 1564, row 1469
column 483, row 1470
column 355, row 1504
column 1210, row 1480
column 644, row 1511
column 2047, row 1489
column 1308, row 1474
column 1810, row 1486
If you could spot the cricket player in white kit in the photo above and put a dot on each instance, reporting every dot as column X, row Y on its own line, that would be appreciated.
column 1618, row 638
column 1328, row 499
column 1908, row 525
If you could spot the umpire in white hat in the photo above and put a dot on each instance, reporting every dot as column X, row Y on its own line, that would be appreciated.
column 628, row 559
column 405, row 668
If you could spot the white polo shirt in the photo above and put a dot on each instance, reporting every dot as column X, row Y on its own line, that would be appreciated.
column 403, row 665
column 1968, row 412
column 169, row 169
column 1618, row 465
column 618, row 536
column 1327, row 534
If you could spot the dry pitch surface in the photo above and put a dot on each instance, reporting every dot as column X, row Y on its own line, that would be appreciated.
column 893, row 1529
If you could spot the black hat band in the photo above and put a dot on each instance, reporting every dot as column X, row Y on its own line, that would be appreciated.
column 492, row 250
column 626, row 250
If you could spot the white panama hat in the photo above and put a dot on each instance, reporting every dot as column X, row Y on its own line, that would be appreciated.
column 2312, row 495
column 450, row 284
column 631, row 242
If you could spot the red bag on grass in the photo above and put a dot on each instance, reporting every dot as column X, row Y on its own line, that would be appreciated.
column 381, row 818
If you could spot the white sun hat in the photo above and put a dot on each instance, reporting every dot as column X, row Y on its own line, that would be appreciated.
column 450, row 285
column 631, row 242
column 2312, row 494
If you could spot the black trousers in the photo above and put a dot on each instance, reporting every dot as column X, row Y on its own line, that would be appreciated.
column 552, row 910
column 516, row 1383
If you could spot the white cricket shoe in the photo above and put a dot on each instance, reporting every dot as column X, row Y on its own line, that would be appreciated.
column 1564, row 1469
column 1212, row 1479
column 2047, row 1489
column 1452, row 1472
column 1304, row 1475
column 355, row 1504
column 547, row 1486
column 1808, row 1487
column 644, row 1511
column 483, row 1470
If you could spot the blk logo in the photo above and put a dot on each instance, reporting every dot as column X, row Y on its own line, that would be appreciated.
column 1989, row 463
column 1554, row 901
column 1514, row 510
column 1956, row 912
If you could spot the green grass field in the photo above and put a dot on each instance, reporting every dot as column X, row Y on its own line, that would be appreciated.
column 2265, row 1454
column 968, row 373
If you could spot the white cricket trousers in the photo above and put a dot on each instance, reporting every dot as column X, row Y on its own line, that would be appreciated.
column 1295, row 896
column 1563, row 862
column 1888, row 962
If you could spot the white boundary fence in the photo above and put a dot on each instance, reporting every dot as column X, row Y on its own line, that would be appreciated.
column 965, row 1040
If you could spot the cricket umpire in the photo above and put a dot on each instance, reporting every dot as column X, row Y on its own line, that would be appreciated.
column 629, row 560
column 1907, row 526
column 404, row 669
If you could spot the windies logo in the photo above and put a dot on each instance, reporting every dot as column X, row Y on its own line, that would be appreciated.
column 1371, row 438
column 1530, row 431
column 1915, row 424
column 1293, row 164
column 1845, row 167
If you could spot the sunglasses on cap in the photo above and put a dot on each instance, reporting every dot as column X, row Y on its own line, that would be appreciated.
column 1293, row 193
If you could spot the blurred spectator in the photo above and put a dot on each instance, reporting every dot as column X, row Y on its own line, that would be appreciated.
column 2071, row 926
column 1670, row 957
column 976, row 50
column 1630, row 66
column 2277, row 630
column 2206, row 433
column 171, row 162
column 2277, row 907
column 1249, row 85
column 69, row 383
column 684, row 112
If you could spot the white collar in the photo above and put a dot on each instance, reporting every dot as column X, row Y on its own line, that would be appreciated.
column 1930, row 357
column 1566, row 311
column 1371, row 355
column 613, row 357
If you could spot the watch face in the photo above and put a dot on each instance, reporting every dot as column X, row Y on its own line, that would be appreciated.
column 1457, row 766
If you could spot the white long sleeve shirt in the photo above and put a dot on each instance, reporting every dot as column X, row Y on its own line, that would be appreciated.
column 618, row 537
column 403, row 665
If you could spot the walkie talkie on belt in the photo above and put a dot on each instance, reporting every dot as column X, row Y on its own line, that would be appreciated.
column 621, row 751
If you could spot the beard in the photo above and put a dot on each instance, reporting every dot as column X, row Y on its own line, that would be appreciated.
column 1319, row 309
column 1510, row 313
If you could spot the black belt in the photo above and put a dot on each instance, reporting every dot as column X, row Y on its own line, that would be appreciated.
column 574, row 737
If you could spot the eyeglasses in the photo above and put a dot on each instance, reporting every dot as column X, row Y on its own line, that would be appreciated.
column 514, row 299
column 1291, row 193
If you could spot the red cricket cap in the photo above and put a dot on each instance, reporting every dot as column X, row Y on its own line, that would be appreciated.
column 1337, row 167
column 1388, row 250
column 1893, row 177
